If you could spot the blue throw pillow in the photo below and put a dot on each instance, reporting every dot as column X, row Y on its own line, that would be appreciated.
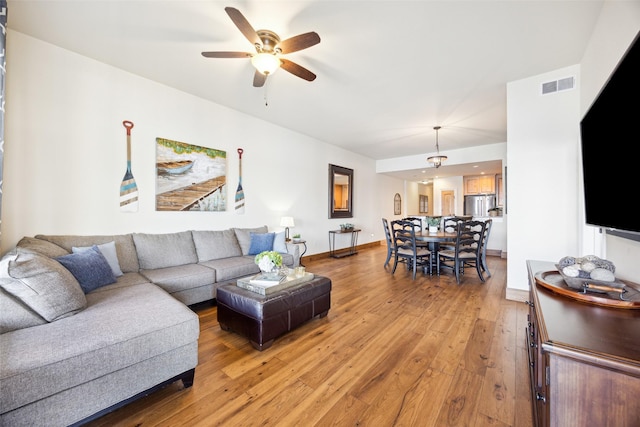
column 109, row 252
column 260, row 242
column 90, row 268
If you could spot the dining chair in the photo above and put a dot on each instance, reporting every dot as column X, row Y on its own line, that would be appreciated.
column 485, row 239
column 468, row 249
column 405, row 249
column 390, row 247
column 417, row 222
column 450, row 225
column 417, row 225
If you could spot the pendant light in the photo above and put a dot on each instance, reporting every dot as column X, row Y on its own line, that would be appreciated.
column 437, row 159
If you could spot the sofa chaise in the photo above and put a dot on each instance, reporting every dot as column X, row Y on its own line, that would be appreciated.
column 89, row 323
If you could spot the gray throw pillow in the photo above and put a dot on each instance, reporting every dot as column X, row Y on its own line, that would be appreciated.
column 90, row 268
column 15, row 314
column 42, row 247
column 109, row 252
column 244, row 237
column 42, row 284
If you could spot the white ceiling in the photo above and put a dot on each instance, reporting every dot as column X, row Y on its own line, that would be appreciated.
column 387, row 71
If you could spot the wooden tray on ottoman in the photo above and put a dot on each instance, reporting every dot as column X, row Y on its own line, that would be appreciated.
column 268, row 287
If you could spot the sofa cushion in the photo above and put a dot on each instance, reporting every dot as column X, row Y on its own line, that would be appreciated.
column 180, row 277
column 109, row 252
column 244, row 237
column 42, row 247
column 118, row 329
column 125, row 248
column 165, row 250
column 42, row 284
column 231, row 268
column 14, row 314
column 127, row 279
column 260, row 242
column 215, row 244
column 90, row 268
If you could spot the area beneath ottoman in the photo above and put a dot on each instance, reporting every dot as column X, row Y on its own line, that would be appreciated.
column 263, row 318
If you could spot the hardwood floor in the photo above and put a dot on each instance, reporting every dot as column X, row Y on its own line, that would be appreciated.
column 391, row 352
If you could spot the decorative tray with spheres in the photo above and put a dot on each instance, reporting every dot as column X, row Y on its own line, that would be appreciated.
column 591, row 280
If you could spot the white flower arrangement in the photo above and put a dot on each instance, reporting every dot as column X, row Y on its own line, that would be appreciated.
column 268, row 260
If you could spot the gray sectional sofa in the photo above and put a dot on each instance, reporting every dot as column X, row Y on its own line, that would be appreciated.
column 89, row 323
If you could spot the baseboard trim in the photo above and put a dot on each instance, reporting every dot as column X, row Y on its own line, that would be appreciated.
column 322, row 255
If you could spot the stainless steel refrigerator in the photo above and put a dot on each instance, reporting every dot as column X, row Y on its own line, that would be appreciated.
column 479, row 205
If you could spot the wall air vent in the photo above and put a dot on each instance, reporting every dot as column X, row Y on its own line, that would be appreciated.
column 558, row 85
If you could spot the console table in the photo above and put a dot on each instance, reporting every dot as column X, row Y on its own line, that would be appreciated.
column 304, row 250
column 584, row 360
column 351, row 250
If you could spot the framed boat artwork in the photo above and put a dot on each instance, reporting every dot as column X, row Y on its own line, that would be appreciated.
column 190, row 177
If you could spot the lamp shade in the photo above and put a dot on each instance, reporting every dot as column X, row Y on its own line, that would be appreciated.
column 287, row 221
column 265, row 63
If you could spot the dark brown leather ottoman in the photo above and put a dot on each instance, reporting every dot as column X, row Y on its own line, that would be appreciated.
column 264, row 318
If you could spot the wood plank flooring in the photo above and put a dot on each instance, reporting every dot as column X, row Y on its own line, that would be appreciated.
column 391, row 352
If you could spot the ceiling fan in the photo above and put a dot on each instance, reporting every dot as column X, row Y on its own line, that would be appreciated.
column 269, row 49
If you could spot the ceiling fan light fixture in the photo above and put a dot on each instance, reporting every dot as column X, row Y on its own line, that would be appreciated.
column 265, row 63
column 438, row 158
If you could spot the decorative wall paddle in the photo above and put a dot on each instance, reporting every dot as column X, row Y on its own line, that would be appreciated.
column 240, row 192
column 128, row 187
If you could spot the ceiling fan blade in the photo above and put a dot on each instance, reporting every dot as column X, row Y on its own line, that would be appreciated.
column 243, row 25
column 297, row 70
column 226, row 54
column 259, row 79
column 299, row 42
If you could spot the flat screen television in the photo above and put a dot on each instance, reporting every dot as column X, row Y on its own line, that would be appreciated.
column 610, row 136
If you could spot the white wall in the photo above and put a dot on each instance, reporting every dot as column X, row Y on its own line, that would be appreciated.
column 542, row 182
column 65, row 156
column 618, row 24
column 546, row 213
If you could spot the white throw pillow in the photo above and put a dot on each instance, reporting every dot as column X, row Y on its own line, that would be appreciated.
column 279, row 244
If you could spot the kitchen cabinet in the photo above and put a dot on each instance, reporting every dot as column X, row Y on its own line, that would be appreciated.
column 479, row 184
column 584, row 360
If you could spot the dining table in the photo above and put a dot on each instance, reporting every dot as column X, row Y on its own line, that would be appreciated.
column 434, row 239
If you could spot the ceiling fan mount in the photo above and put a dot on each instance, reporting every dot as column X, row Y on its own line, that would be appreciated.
column 270, row 41
column 269, row 48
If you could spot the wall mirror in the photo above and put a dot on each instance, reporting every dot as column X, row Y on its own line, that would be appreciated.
column 340, row 192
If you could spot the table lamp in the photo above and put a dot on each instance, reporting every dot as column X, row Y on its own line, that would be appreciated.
column 287, row 221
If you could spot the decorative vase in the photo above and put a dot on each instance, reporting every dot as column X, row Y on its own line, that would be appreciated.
column 271, row 273
column 433, row 229
column 266, row 266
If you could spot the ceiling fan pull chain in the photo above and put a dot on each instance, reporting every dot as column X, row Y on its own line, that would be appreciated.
column 266, row 101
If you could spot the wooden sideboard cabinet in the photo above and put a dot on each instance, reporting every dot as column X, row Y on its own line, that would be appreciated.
column 584, row 360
